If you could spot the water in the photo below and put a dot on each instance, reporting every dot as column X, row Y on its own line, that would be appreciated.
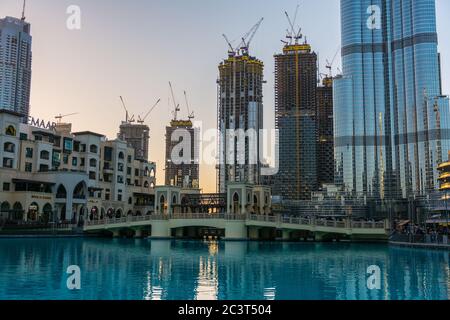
column 145, row 269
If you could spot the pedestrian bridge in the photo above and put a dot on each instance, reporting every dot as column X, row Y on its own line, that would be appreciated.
column 239, row 227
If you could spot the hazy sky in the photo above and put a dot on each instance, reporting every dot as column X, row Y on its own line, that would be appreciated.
column 133, row 48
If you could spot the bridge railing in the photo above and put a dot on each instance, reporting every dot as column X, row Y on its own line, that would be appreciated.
column 240, row 217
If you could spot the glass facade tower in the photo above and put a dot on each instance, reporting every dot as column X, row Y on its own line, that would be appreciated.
column 15, row 65
column 391, row 121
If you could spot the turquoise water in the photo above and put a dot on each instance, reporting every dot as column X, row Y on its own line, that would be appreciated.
column 150, row 269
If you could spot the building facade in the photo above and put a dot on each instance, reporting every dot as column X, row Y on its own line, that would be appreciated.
column 137, row 136
column 182, row 154
column 391, row 120
column 296, row 120
column 15, row 66
column 325, row 146
column 59, row 176
column 240, row 119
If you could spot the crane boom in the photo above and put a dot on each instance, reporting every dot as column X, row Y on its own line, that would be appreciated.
column 248, row 37
column 176, row 106
column 190, row 114
column 149, row 112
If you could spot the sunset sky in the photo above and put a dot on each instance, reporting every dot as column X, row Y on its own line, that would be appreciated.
column 134, row 48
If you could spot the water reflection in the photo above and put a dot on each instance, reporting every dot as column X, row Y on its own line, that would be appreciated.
column 162, row 270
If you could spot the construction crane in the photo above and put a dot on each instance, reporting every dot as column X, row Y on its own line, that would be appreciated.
column 293, row 35
column 23, row 10
column 232, row 51
column 329, row 65
column 142, row 120
column 248, row 37
column 60, row 117
column 176, row 106
column 244, row 45
column 190, row 114
column 127, row 118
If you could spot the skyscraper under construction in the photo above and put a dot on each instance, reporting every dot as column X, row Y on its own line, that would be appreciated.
column 296, row 120
column 240, row 115
column 325, row 146
column 182, row 154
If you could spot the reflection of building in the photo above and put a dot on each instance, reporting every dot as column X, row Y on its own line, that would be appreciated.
column 391, row 122
column 15, row 65
column 295, row 113
column 45, row 171
column 240, row 109
column 137, row 136
column 182, row 154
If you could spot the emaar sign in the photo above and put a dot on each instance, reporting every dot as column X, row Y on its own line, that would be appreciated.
column 40, row 123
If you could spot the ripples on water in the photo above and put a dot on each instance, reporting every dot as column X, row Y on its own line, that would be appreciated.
column 161, row 270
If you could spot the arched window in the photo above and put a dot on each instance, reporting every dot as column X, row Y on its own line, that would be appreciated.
column 121, row 156
column 162, row 204
column 79, row 192
column 61, row 192
column 93, row 148
column 146, row 184
column 9, row 147
column 236, row 204
column 4, row 209
column 130, row 200
column 10, row 131
column 152, row 172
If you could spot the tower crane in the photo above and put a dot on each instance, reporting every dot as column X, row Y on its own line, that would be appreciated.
column 248, row 37
column 127, row 118
column 293, row 35
column 329, row 65
column 190, row 114
column 243, row 47
column 142, row 120
column 60, row 116
column 176, row 106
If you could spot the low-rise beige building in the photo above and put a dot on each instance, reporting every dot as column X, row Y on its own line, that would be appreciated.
column 51, row 174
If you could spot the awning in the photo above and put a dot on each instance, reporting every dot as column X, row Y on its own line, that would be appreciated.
column 33, row 182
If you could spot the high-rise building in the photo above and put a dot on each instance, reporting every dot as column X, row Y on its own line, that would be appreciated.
column 240, row 118
column 296, row 120
column 137, row 136
column 391, row 122
column 182, row 154
column 15, row 65
column 325, row 146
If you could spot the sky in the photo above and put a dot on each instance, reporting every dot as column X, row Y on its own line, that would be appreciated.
column 134, row 48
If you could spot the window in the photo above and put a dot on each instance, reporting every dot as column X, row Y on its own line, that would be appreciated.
column 66, row 159
column 129, row 159
column 129, row 171
column 93, row 163
column 29, row 153
column 7, row 163
column 23, row 136
column 76, row 146
column 119, row 179
column 28, row 167
column 45, row 155
column 43, row 168
column 10, row 131
column 9, row 147
column 121, row 156
column 92, row 175
column 74, row 161
column 119, row 197
column 107, row 196
column 38, row 138
column 82, row 148
column 82, row 162
column 6, row 186
column 93, row 148
column 108, row 153
column 136, row 172
column 120, row 167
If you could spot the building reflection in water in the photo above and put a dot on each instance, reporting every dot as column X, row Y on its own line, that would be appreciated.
column 187, row 270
